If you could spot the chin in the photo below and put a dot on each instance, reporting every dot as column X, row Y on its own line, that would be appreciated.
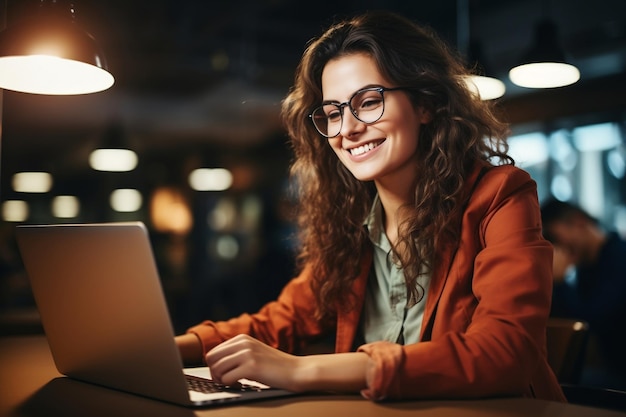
column 363, row 176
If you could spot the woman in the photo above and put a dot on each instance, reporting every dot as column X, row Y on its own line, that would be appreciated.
column 423, row 257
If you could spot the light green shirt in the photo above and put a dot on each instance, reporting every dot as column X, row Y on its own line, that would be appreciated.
column 386, row 315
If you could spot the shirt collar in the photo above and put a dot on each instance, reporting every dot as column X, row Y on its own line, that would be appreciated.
column 374, row 224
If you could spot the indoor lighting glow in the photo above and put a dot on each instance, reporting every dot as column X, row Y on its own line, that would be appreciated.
column 170, row 211
column 65, row 206
column 562, row 151
column 126, row 200
column 227, row 247
column 32, row 182
column 616, row 164
column 116, row 160
column 224, row 216
column 528, row 149
column 47, row 52
column 544, row 65
column 544, row 75
column 487, row 88
column 597, row 138
column 479, row 82
column 14, row 211
column 43, row 74
column 561, row 187
column 210, row 179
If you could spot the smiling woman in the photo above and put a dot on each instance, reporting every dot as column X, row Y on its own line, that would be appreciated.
column 422, row 256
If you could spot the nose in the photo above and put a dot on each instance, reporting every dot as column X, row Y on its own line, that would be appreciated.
column 350, row 124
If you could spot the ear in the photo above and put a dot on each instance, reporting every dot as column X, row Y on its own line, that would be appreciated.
column 423, row 115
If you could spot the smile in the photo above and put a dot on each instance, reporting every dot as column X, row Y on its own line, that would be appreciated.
column 360, row 150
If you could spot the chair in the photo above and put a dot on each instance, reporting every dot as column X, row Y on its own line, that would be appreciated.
column 567, row 344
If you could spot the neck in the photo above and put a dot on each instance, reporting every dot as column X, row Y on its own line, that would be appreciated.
column 393, row 215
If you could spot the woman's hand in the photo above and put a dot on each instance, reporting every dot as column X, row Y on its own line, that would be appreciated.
column 245, row 357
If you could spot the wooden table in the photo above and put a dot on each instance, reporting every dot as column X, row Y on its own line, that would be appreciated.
column 31, row 386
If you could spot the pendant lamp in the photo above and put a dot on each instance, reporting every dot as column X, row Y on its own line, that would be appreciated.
column 484, row 86
column 545, row 64
column 48, row 52
column 114, row 154
column 487, row 88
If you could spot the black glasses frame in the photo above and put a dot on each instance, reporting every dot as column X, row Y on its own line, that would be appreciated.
column 347, row 104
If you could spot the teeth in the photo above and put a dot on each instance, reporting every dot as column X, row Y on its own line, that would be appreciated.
column 362, row 149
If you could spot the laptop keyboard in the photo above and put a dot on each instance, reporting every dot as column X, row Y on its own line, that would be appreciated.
column 208, row 386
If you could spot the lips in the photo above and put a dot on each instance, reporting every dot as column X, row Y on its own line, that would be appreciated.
column 360, row 150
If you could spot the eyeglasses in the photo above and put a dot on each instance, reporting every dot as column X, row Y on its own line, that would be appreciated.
column 367, row 105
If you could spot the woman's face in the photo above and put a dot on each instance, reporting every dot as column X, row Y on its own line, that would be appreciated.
column 381, row 151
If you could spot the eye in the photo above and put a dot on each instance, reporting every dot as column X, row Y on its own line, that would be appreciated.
column 332, row 113
column 370, row 103
column 367, row 100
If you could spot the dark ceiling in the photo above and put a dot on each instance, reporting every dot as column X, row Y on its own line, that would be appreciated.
column 197, row 74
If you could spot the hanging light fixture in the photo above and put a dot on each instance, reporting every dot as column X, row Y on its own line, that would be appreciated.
column 49, row 53
column 484, row 86
column 487, row 88
column 545, row 64
column 113, row 155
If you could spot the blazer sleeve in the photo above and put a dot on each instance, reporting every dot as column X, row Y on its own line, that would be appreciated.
column 287, row 323
column 488, row 328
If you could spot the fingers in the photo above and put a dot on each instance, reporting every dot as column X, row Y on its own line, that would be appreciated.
column 230, row 346
column 246, row 357
column 232, row 360
column 230, row 368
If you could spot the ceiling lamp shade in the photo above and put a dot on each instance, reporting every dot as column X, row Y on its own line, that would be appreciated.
column 49, row 53
column 478, row 82
column 544, row 66
column 487, row 88
column 113, row 155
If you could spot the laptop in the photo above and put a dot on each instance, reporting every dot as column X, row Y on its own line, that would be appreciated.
column 104, row 314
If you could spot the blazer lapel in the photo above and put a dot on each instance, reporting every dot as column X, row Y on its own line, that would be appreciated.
column 441, row 271
column 437, row 282
column 347, row 321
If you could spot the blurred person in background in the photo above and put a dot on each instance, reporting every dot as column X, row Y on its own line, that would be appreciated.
column 589, row 271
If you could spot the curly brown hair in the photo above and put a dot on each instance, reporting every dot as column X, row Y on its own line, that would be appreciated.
column 332, row 203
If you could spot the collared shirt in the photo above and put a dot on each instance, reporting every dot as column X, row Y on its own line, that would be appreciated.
column 387, row 314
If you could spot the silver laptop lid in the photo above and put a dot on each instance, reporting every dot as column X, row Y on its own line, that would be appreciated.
column 102, row 306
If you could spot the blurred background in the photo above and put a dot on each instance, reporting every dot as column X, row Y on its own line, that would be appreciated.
column 197, row 92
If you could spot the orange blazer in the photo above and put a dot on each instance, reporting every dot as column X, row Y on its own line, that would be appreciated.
column 484, row 324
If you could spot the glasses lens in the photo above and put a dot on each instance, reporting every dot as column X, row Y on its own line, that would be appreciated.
column 327, row 119
column 368, row 105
